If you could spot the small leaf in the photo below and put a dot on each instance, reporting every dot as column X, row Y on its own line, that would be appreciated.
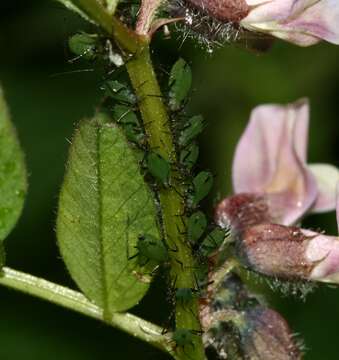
column 104, row 207
column 13, row 184
column 180, row 83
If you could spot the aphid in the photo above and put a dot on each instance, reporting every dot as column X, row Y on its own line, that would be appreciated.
column 180, row 82
column 158, row 167
column 150, row 249
column 93, row 47
column 129, row 121
column 202, row 185
column 191, row 130
column 184, row 337
column 119, row 92
column 212, row 241
column 189, row 156
column 196, row 226
column 84, row 45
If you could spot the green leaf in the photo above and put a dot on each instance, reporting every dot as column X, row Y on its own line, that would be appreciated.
column 180, row 83
column 104, row 206
column 13, row 184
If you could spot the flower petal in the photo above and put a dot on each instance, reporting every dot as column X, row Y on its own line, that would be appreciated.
column 327, row 177
column 270, row 159
column 303, row 22
column 324, row 252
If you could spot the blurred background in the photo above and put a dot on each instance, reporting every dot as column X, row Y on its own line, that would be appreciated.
column 47, row 98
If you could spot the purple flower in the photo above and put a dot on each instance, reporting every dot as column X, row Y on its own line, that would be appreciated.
column 303, row 22
column 270, row 165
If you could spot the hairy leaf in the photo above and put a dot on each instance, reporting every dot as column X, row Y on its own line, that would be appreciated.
column 104, row 206
column 13, row 184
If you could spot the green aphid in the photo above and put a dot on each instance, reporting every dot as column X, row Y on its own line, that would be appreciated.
column 151, row 249
column 158, row 167
column 119, row 92
column 84, row 45
column 196, row 226
column 191, row 130
column 189, row 156
column 185, row 295
column 183, row 337
column 180, row 82
column 202, row 185
column 212, row 241
column 129, row 121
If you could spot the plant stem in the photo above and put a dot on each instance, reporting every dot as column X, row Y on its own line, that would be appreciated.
column 70, row 299
column 160, row 139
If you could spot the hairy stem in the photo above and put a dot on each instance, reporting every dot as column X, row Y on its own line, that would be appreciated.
column 158, row 130
column 70, row 299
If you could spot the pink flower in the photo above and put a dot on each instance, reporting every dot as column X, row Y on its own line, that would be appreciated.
column 270, row 164
column 303, row 22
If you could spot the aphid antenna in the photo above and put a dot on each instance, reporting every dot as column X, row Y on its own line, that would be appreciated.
column 71, row 72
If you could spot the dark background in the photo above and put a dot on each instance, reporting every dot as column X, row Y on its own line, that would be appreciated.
column 45, row 105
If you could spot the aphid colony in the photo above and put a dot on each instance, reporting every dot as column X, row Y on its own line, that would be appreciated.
column 203, row 239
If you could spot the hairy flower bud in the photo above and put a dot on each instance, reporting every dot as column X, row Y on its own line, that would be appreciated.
column 266, row 336
column 224, row 10
column 290, row 253
column 241, row 211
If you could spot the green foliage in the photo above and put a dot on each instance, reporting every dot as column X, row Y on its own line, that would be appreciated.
column 104, row 207
column 192, row 129
column 197, row 224
column 180, row 83
column 13, row 184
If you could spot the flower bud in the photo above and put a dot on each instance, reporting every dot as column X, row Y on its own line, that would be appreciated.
column 223, row 10
column 266, row 336
column 241, row 211
column 290, row 253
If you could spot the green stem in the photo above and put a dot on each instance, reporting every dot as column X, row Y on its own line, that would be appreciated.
column 70, row 299
column 160, row 139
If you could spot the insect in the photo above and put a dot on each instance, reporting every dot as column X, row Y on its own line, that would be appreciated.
column 196, row 226
column 194, row 126
column 189, row 156
column 150, row 250
column 158, row 167
column 184, row 337
column 93, row 47
column 201, row 186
